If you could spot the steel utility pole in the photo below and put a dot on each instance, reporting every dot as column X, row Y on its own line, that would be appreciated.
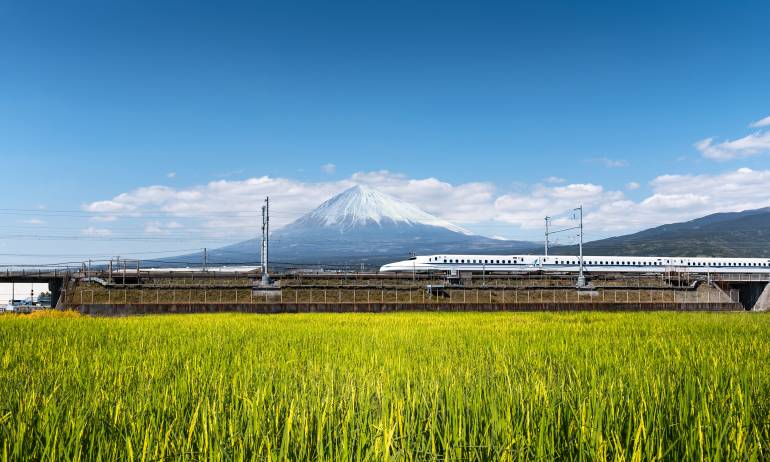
column 581, row 282
column 265, row 244
column 205, row 259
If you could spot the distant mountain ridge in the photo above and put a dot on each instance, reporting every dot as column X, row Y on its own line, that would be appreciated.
column 362, row 225
column 728, row 234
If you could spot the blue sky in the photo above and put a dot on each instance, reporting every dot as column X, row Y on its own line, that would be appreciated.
column 488, row 114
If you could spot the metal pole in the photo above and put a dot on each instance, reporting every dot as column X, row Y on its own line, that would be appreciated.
column 581, row 277
column 547, row 219
column 205, row 259
column 265, row 240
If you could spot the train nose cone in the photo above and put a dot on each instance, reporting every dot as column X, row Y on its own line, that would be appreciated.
column 389, row 267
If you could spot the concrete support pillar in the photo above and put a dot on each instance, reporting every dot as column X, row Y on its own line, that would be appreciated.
column 763, row 302
column 56, row 289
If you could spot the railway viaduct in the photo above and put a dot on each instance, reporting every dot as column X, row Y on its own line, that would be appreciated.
column 752, row 291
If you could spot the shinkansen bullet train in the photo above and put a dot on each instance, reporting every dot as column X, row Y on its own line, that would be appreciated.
column 567, row 264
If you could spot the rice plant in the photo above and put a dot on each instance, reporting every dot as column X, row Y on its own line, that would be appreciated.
column 399, row 386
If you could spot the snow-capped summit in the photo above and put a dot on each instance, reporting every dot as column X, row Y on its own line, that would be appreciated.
column 359, row 225
column 362, row 206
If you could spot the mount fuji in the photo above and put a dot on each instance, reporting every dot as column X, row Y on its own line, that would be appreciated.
column 363, row 225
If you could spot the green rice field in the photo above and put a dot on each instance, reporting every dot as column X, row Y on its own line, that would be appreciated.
column 398, row 386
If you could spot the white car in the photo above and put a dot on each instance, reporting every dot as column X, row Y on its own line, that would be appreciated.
column 12, row 306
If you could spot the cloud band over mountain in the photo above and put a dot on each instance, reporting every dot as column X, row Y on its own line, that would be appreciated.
column 479, row 206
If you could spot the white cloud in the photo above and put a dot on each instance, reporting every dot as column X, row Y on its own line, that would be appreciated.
column 34, row 221
column 750, row 145
column 633, row 185
column 609, row 163
column 92, row 231
column 154, row 227
column 226, row 207
column 103, row 218
column 106, row 206
column 328, row 168
column 685, row 197
column 158, row 227
column 232, row 208
column 528, row 209
column 747, row 146
column 555, row 180
column 761, row 123
column 171, row 175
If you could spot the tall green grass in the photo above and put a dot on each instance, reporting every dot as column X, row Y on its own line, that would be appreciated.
column 409, row 386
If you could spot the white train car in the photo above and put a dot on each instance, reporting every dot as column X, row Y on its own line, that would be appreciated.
column 571, row 264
